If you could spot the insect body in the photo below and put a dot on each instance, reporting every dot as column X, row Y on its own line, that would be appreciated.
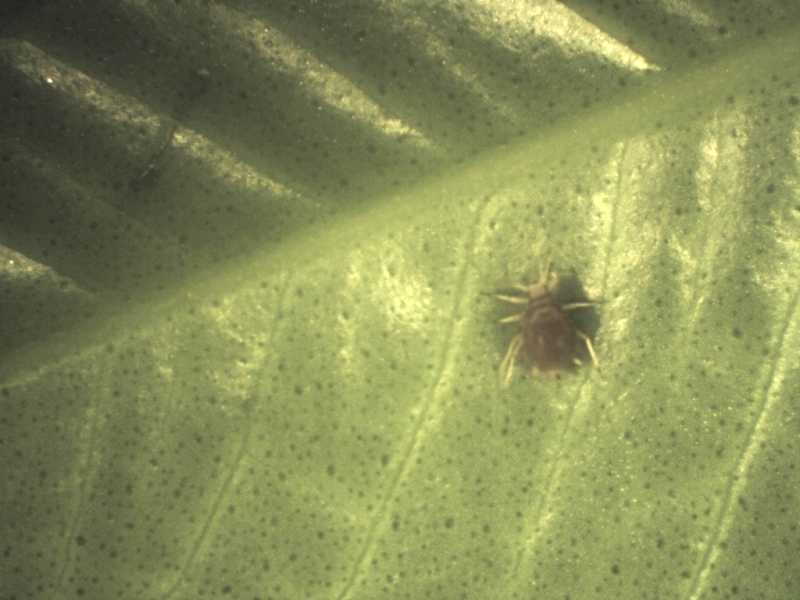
column 547, row 337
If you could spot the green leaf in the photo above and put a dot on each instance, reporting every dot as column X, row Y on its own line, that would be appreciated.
column 252, row 347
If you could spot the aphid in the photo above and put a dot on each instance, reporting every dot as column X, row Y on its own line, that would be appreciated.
column 547, row 337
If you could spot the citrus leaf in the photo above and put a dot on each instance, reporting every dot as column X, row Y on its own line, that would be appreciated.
column 252, row 341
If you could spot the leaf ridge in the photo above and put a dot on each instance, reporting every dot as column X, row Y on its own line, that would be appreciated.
column 556, row 467
column 755, row 438
column 213, row 512
column 439, row 381
column 226, row 485
column 612, row 227
column 72, row 527
column 550, row 481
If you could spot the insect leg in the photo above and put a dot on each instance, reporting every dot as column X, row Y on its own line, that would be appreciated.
column 512, row 299
column 588, row 341
column 507, row 366
column 574, row 305
column 512, row 318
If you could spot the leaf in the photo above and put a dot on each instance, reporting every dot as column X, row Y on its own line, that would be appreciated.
column 252, row 348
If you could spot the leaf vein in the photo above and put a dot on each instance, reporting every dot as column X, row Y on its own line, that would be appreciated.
column 72, row 527
column 738, row 478
column 446, row 357
column 224, row 489
column 553, row 474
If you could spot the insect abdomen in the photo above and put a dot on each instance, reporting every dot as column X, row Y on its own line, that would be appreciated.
column 549, row 338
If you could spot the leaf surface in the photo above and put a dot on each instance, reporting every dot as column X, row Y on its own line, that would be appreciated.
column 277, row 374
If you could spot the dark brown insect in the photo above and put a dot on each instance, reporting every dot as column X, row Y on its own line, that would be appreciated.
column 547, row 337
